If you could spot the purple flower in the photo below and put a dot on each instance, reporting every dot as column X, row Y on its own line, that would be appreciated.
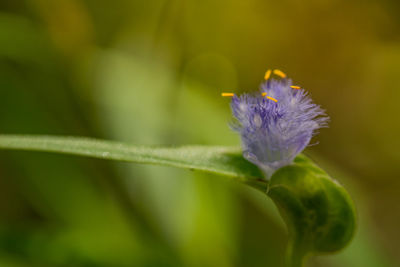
column 273, row 133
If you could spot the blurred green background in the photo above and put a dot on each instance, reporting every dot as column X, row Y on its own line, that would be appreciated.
column 151, row 72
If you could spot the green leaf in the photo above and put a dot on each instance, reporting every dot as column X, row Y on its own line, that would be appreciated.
column 227, row 161
column 318, row 211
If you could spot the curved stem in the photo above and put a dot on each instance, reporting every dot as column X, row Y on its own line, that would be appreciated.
column 295, row 255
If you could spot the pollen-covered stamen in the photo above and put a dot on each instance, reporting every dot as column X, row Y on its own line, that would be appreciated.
column 279, row 73
column 227, row 94
column 295, row 87
column 271, row 98
column 267, row 74
column 264, row 94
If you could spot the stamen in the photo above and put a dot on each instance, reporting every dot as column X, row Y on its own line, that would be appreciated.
column 264, row 94
column 227, row 94
column 267, row 75
column 271, row 98
column 295, row 87
column 279, row 73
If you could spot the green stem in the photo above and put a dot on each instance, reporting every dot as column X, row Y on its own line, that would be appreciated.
column 295, row 255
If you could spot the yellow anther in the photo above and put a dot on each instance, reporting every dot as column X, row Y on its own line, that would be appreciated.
column 267, row 75
column 271, row 98
column 295, row 87
column 280, row 73
column 264, row 94
column 227, row 94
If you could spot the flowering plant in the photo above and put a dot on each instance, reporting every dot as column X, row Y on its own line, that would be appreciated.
column 275, row 126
